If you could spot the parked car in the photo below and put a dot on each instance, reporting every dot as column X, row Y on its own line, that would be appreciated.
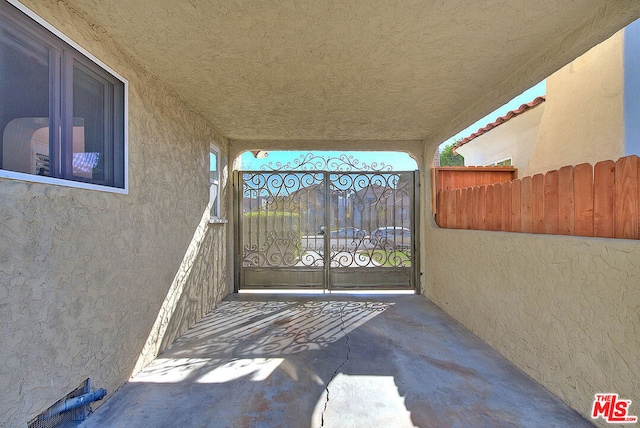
column 392, row 237
column 348, row 232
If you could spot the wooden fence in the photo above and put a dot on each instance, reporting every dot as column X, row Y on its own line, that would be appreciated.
column 601, row 201
column 456, row 177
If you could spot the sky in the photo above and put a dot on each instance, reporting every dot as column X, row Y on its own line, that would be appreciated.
column 398, row 161
column 525, row 97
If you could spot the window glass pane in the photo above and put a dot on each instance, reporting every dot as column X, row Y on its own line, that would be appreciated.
column 213, row 166
column 89, row 126
column 214, row 189
column 213, row 199
column 24, row 104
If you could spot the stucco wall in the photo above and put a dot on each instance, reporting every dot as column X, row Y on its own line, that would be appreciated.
column 514, row 139
column 86, row 274
column 583, row 118
column 562, row 309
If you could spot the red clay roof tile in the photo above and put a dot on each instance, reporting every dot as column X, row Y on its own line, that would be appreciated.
column 499, row 121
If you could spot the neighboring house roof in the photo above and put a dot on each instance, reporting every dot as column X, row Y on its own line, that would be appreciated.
column 499, row 121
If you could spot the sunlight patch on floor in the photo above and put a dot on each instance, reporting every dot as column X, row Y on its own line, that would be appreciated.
column 258, row 368
column 373, row 401
column 171, row 370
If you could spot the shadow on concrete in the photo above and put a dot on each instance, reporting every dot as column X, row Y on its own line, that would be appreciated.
column 334, row 361
column 198, row 285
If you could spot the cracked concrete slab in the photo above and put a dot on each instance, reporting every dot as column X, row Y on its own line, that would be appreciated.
column 335, row 373
column 331, row 361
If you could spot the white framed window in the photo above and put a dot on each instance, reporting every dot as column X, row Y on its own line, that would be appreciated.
column 62, row 113
column 503, row 162
column 214, row 182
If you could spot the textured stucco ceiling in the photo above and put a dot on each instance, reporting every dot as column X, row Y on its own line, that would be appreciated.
column 353, row 69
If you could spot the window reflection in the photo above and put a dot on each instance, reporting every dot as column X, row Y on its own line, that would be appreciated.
column 26, row 148
column 25, row 145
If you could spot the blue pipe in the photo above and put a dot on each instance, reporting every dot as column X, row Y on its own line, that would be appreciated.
column 75, row 402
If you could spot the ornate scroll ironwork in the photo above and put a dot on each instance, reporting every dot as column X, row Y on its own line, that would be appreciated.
column 279, row 211
column 312, row 162
column 284, row 219
column 374, row 210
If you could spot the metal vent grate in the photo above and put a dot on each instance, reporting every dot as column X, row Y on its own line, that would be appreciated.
column 66, row 419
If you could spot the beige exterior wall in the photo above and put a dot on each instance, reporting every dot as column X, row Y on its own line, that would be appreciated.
column 583, row 119
column 88, row 275
column 562, row 309
column 515, row 139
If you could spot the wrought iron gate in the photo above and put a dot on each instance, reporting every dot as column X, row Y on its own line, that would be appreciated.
column 287, row 218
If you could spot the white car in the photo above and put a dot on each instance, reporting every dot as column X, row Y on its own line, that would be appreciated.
column 394, row 237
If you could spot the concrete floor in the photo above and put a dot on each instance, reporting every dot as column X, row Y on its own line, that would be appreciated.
column 333, row 361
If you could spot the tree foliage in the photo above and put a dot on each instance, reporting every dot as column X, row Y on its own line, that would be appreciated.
column 447, row 158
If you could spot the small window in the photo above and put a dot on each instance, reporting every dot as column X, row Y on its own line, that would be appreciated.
column 504, row 162
column 214, row 182
column 61, row 114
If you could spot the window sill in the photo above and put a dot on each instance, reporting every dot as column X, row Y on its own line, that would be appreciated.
column 217, row 220
column 11, row 175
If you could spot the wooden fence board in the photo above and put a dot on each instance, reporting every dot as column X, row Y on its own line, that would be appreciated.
column 445, row 180
column 475, row 202
column 489, row 208
column 464, row 211
column 452, row 209
column 603, row 198
column 457, row 215
column 626, row 198
column 451, row 214
column 470, row 208
column 551, row 200
column 583, row 199
column 446, row 208
column 566, row 209
column 537, row 203
column 487, row 178
column 506, row 206
column 497, row 206
column 526, row 199
column 482, row 208
column 516, row 210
